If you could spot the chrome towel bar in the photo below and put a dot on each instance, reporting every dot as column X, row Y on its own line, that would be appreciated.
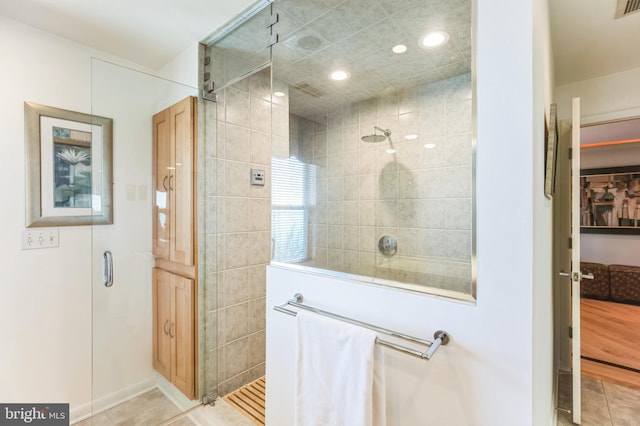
column 440, row 337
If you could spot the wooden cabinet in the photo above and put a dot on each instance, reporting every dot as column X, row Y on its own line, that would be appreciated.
column 174, row 329
column 174, row 245
column 174, row 135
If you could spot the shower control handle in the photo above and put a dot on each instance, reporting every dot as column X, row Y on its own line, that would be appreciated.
column 388, row 246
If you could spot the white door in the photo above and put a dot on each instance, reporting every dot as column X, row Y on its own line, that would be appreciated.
column 576, row 275
column 566, row 206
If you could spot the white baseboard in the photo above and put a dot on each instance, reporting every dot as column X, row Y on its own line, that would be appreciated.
column 101, row 404
column 84, row 411
column 174, row 395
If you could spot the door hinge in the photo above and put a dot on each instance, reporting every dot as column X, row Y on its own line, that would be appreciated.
column 570, row 332
column 570, row 153
column 271, row 20
column 570, row 243
column 273, row 39
column 207, row 83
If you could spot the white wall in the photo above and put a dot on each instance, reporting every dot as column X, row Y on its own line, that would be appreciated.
column 184, row 67
column 543, row 358
column 46, row 304
column 486, row 375
column 611, row 97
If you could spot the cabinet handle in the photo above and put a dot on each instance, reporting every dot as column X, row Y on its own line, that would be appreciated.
column 164, row 183
column 171, row 182
column 165, row 327
column 171, row 328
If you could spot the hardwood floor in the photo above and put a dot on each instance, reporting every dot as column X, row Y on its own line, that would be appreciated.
column 610, row 332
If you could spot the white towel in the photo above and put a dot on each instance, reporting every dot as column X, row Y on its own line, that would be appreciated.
column 339, row 374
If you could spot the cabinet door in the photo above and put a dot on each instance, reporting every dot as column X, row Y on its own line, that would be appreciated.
column 183, row 336
column 182, row 181
column 162, row 318
column 162, row 166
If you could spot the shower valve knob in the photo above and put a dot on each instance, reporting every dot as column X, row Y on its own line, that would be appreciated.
column 388, row 245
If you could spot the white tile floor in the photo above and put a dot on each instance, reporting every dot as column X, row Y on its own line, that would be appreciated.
column 153, row 408
column 603, row 403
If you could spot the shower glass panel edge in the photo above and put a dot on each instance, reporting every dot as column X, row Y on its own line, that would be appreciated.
column 234, row 144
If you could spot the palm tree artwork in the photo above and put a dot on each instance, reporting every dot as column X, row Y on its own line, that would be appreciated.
column 73, row 177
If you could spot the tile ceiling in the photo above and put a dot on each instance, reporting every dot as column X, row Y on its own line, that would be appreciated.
column 319, row 36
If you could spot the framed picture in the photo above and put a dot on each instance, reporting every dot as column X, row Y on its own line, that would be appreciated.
column 551, row 152
column 610, row 200
column 68, row 167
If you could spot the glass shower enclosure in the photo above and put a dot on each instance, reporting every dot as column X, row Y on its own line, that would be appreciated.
column 125, row 386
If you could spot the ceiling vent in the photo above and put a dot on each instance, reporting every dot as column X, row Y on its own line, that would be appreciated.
column 310, row 90
column 627, row 7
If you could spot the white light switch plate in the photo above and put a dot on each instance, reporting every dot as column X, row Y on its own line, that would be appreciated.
column 40, row 238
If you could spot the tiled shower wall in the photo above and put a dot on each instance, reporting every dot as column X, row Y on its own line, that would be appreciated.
column 420, row 196
column 238, row 230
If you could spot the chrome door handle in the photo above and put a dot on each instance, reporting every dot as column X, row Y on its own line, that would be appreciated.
column 577, row 276
column 107, row 272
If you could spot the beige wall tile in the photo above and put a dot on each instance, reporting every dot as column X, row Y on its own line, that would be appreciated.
column 236, row 321
column 237, row 146
column 236, row 250
column 260, row 214
column 236, row 179
column 257, row 316
column 234, row 285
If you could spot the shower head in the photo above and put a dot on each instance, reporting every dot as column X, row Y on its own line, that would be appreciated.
column 375, row 138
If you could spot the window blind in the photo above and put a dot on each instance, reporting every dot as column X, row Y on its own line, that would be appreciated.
column 292, row 193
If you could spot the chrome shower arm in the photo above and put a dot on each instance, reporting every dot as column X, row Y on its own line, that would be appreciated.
column 386, row 132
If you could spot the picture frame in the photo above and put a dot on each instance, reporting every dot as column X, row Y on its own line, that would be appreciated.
column 69, row 167
column 551, row 152
column 610, row 200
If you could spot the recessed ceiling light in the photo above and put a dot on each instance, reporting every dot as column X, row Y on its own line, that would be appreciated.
column 339, row 75
column 390, row 151
column 411, row 137
column 278, row 94
column 399, row 48
column 435, row 39
column 429, row 145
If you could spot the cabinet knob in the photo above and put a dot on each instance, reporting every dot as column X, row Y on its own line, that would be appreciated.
column 164, row 183
column 165, row 327
column 171, row 328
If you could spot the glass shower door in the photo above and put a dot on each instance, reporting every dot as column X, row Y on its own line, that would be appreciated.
column 126, row 389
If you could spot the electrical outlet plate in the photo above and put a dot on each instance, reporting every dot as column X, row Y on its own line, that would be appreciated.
column 40, row 238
